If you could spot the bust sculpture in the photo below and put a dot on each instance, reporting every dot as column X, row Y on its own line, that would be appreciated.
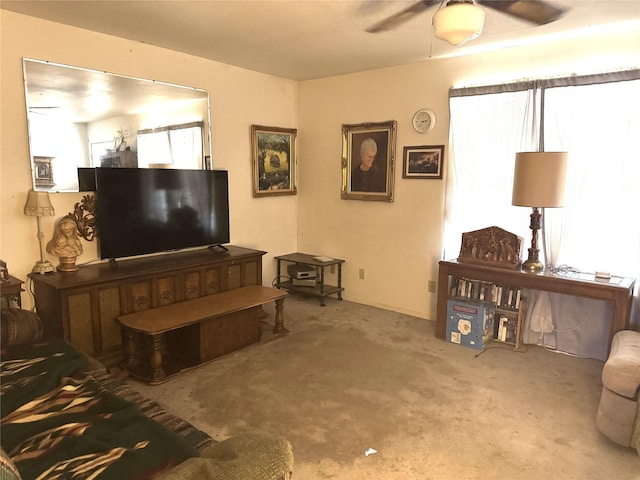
column 65, row 244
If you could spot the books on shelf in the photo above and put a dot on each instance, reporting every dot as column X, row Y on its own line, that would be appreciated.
column 506, row 328
column 508, row 301
column 503, row 296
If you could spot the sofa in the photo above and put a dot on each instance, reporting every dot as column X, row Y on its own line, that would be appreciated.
column 618, row 416
column 63, row 415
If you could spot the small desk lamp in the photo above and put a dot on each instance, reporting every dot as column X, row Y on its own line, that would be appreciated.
column 538, row 182
column 39, row 205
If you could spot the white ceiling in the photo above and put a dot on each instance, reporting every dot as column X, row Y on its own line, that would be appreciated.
column 307, row 39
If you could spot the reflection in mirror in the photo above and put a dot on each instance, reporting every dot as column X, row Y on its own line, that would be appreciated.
column 81, row 119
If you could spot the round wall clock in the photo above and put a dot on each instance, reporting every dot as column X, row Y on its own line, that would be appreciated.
column 424, row 120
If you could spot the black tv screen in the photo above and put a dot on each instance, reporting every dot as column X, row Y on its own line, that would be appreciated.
column 144, row 210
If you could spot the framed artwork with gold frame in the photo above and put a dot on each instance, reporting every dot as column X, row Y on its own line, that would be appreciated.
column 274, row 160
column 368, row 155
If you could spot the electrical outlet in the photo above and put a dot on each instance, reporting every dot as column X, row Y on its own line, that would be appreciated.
column 361, row 274
column 431, row 286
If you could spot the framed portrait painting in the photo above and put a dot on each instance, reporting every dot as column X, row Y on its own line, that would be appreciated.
column 274, row 160
column 423, row 161
column 368, row 155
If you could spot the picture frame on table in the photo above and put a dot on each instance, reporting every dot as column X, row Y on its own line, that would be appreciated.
column 274, row 160
column 424, row 161
column 368, row 156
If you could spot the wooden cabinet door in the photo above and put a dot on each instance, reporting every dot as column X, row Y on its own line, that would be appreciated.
column 139, row 295
column 109, row 308
column 213, row 280
column 165, row 290
column 91, row 317
column 192, row 285
column 243, row 273
column 80, row 320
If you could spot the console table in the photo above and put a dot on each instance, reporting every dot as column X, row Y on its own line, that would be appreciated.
column 320, row 289
column 617, row 290
column 82, row 307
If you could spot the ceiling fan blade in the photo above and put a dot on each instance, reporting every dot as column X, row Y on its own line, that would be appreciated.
column 402, row 16
column 535, row 11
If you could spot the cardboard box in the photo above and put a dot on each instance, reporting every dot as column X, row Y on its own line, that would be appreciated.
column 470, row 323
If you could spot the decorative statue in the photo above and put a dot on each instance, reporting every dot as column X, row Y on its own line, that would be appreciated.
column 491, row 246
column 66, row 244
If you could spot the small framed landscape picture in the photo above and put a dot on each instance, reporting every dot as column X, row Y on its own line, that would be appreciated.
column 423, row 161
column 274, row 160
column 368, row 151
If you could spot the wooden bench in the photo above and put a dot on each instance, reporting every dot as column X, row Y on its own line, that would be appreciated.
column 196, row 331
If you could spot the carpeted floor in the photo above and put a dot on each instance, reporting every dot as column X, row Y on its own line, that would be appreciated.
column 351, row 377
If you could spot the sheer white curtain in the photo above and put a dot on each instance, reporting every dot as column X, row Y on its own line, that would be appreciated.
column 599, row 226
column 599, row 125
column 486, row 131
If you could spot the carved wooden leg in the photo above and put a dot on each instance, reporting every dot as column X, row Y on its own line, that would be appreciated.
column 279, row 322
column 157, row 372
column 130, row 350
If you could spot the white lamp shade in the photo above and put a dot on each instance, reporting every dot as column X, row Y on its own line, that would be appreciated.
column 539, row 179
column 458, row 23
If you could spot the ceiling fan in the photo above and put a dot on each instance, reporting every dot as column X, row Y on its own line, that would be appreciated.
column 462, row 20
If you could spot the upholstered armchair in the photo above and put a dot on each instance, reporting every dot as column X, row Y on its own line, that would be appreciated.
column 618, row 415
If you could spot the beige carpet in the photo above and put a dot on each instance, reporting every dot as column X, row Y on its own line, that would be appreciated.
column 350, row 377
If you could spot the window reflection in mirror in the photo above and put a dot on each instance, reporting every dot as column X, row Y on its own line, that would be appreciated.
column 81, row 118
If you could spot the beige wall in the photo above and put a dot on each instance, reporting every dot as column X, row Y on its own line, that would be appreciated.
column 398, row 244
column 239, row 98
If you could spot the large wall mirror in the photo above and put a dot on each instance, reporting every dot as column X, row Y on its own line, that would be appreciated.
column 81, row 118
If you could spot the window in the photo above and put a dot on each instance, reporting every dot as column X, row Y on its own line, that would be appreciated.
column 596, row 120
column 175, row 146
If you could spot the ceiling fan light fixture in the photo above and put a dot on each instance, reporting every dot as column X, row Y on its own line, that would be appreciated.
column 458, row 22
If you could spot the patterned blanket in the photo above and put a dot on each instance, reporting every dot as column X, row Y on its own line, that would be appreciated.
column 59, row 422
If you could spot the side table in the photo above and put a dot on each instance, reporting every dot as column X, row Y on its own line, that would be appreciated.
column 320, row 289
column 11, row 291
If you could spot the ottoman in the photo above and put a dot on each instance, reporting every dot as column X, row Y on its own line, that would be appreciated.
column 618, row 416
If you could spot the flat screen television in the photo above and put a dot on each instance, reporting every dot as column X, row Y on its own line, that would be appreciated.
column 144, row 210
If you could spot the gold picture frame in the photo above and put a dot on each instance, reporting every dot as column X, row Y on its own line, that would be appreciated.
column 274, row 160
column 370, row 145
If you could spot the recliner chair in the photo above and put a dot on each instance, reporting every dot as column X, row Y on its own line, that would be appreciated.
column 618, row 414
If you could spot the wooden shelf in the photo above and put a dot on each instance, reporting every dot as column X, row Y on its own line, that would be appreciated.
column 617, row 290
column 320, row 289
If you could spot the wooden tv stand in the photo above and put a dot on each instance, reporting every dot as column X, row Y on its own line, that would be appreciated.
column 83, row 306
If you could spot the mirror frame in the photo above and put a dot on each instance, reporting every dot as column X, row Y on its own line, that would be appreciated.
column 133, row 98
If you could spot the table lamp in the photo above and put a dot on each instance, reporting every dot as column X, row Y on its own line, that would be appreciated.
column 538, row 182
column 39, row 205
